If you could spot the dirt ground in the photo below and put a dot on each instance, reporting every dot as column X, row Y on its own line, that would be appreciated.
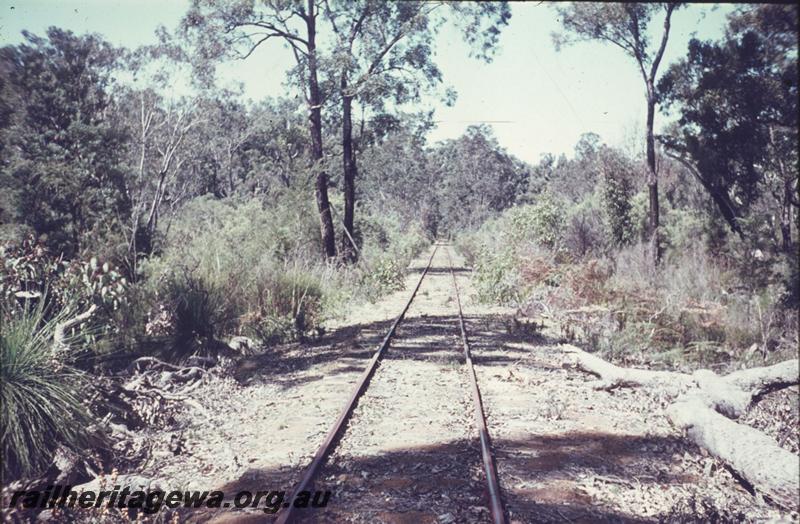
column 565, row 452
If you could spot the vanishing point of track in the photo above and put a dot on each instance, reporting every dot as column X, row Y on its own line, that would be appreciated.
column 496, row 508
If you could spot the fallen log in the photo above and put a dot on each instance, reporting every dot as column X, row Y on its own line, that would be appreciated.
column 612, row 376
column 704, row 406
column 756, row 457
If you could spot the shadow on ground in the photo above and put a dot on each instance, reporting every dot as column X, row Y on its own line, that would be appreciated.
column 440, row 270
column 348, row 349
column 408, row 485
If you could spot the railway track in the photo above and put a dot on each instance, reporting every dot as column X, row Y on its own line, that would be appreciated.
column 340, row 428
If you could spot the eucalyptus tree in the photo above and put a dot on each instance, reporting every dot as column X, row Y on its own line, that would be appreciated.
column 626, row 25
column 736, row 99
column 224, row 28
column 396, row 177
column 276, row 147
column 476, row 178
column 67, row 169
column 158, row 151
column 383, row 54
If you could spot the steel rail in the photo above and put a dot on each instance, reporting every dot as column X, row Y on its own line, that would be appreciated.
column 286, row 515
column 489, row 466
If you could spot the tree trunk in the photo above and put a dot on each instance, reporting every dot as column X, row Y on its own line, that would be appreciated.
column 786, row 217
column 315, row 127
column 349, row 165
column 703, row 409
column 652, row 176
column 751, row 453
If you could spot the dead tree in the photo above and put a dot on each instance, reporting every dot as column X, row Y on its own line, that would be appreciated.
column 705, row 408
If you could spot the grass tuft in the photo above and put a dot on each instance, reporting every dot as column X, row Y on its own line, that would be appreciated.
column 39, row 394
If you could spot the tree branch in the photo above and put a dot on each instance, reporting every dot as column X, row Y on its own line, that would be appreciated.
column 664, row 37
column 60, row 331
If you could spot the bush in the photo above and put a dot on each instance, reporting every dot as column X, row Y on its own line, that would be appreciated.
column 585, row 231
column 288, row 303
column 388, row 245
column 39, row 393
column 617, row 189
column 197, row 310
column 387, row 235
column 28, row 270
column 237, row 267
column 694, row 309
column 540, row 222
column 384, row 275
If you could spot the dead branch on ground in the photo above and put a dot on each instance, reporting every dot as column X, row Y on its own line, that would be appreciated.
column 705, row 407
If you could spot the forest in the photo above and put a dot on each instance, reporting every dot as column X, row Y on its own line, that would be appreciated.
column 153, row 235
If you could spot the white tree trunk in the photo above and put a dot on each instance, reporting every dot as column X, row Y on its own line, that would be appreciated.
column 771, row 469
column 704, row 409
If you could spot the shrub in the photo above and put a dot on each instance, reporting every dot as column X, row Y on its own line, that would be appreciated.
column 387, row 235
column 682, row 228
column 617, row 189
column 28, row 270
column 384, row 275
column 288, row 302
column 585, row 231
column 497, row 279
column 197, row 311
column 389, row 243
column 236, row 266
column 540, row 222
column 694, row 309
column 204, row 279
column 39, row 393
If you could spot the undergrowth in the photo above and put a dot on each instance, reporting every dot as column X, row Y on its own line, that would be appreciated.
column 240, row 268
column 698, row 308
column 39, row 391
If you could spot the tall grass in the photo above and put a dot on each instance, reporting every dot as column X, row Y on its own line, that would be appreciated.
column 250, row 268
column 697, row 308
column 39, row 394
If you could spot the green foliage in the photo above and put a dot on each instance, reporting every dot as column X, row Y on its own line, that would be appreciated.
column 737, row 103
column 696, row 309
column 39, row 393
column 69, row 186
column 540, row 222
column 237, row 266
column 389, row 243
column 28, row 271
column 497, row 278
column 384, row 276
column 388, row 234
column 477, row 178
column 617, row 190
column 395, row 173
column 498, row 247
column 586, row 230
column 197, row 310
column 683, row 227
column 289, row 303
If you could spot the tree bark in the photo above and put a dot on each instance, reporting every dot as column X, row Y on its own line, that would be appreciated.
column 652, row 176
column 315, row 128
column 786, row 217
column 60, row 332
column 350, row 171
column 704, row 407
column 770, row 468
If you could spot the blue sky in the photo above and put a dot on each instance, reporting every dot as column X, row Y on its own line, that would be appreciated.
column 540, row 100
